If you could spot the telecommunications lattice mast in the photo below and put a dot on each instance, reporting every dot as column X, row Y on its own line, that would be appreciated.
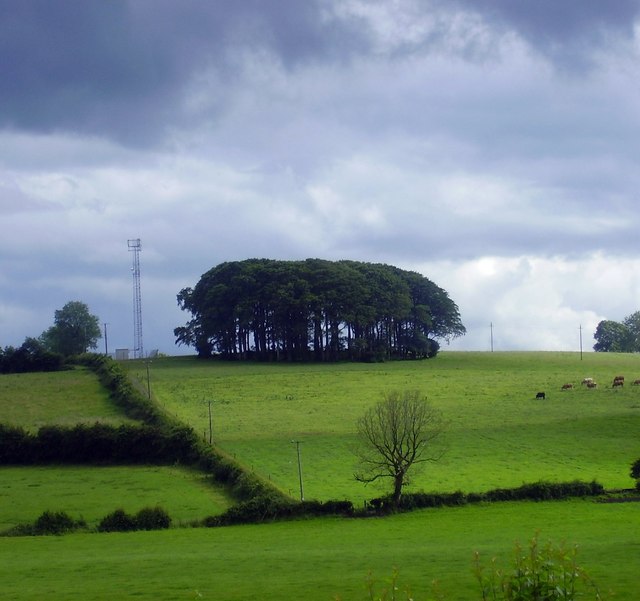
column 136, row 247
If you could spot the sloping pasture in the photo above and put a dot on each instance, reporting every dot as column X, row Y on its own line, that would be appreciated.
column 91, row 493
column 63, row 398
column 499, row 434
column 67, row 398
column 323, row 559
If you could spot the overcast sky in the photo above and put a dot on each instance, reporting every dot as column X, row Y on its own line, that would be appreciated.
column 491, row 145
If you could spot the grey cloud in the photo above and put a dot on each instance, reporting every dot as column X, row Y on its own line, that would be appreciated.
column 119, row 68
column 567, row 31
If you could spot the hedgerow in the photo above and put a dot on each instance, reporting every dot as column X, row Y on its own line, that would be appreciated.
column 243, row 484
column 97, row 444
column 536, row 491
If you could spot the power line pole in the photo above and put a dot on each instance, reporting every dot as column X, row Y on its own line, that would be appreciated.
column 580, row 342
column 491, row 329
column 106, row 346
column 297, row 443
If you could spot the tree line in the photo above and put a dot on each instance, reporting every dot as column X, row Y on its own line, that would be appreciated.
column 75, row 331
column 618, row 337
column 316, row 310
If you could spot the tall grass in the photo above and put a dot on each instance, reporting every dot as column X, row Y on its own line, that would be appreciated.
column 499, row 434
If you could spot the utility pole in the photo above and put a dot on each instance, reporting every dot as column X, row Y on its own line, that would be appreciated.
column 491, row 329
column 580, row 342
column 297, row 443
column 106, row 346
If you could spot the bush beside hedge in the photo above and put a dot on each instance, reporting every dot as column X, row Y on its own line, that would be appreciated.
column 59, row 522
column 148, row 518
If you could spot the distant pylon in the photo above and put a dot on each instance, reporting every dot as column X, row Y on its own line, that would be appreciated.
column 135, row 246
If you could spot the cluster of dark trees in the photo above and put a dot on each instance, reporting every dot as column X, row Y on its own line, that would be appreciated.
column 30, row 356
column 74, row 331
column 618, row 337
column 316, row 310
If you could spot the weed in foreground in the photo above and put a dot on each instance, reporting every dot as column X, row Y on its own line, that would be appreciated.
column 539, row 573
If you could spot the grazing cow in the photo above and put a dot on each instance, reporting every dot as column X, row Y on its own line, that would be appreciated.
column 540, row 395
column 591, row 384
column 567, row 386
column 587, row 381
column 636, row 382
column 617, row 383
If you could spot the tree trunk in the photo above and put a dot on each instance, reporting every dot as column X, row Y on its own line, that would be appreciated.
column 398, row 481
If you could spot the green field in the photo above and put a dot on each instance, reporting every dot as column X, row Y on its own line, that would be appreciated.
column 317, row 560
column 63, row 398
column 499, row 434
column 67, row 398
column 93, row 492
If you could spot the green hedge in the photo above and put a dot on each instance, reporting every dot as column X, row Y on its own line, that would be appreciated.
column 243, row 484
column 271, row 508
column 97, row 444
column 536, row 491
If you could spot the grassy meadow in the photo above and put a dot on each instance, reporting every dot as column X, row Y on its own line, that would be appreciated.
column 63, row 398
column 67, row 398
column 499, row 435
column 91, row 492
column 321, row 560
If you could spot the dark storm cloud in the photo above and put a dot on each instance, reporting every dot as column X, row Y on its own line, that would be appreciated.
column 119, row 68
column 567, row 31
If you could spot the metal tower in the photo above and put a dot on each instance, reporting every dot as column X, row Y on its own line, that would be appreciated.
column 136, row 247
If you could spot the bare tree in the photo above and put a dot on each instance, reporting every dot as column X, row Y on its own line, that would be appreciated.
column 398, row 433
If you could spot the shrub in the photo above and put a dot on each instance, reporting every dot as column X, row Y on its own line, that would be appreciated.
column 635, row 472
column 152, row 518
column 56, row 522
column 117, row 521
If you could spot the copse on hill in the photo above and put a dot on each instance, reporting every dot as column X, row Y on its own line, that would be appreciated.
column 316, row 310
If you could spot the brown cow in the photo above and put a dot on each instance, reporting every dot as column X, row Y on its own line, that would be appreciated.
column 636, row 382
column 592, row 384
column 618, row 382
column 567, row 386
column 587, row 381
